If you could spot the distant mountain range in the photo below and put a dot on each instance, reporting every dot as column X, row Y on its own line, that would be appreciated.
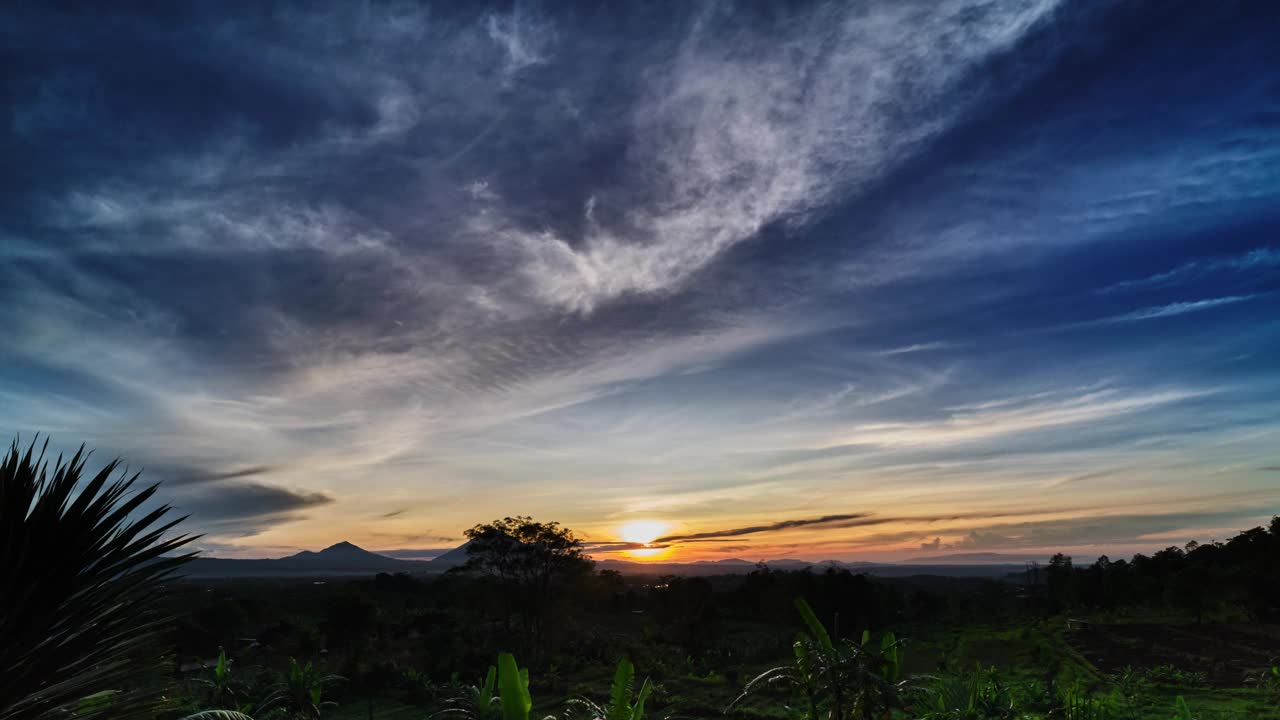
column 347, row 559
column 343, row 558
column 977, row 558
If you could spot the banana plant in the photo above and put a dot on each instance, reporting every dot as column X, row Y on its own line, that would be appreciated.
column 477, row 702
column 620, row 706
column 302, row 691
column 221, row 694
column 965, row 697
column 852, row 681
column 803, row 674
column 513, row 688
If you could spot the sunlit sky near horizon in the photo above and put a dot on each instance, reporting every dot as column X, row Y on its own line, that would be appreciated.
column 857, row 281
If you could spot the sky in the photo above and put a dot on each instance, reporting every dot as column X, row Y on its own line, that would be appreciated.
column 855, row 280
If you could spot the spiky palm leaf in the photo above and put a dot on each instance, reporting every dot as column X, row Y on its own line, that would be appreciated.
column 80, row 575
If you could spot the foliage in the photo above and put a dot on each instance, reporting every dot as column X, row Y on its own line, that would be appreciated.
column 977, row 695
column 395, row 635
column 221, row 692
column 526, row 561
column 620, row 706
column 1079, row 706
column 477, row 702
column 1268, row 683
column 527, row 553
column 304, row 689
column 1170, row 675
column 849, row 681
column 513, row 689
column 81, row 564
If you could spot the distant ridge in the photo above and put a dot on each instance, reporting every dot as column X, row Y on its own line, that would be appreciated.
column 737, row 566
column 976, row 558
column 348, row 559
column 339, row 559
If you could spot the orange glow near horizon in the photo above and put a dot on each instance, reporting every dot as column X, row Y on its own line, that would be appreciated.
column 652, row 553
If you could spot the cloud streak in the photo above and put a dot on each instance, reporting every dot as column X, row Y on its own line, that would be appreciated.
column 843, row 520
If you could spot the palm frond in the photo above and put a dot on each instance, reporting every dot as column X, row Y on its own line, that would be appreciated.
column 81, row 563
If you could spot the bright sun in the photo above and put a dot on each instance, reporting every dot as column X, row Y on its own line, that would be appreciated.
column 643, row 532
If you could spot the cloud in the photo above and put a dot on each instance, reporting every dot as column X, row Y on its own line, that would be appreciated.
column 247, row 508
column 914, row 348
column 195, row 476
column 1085, row 477
column 523, row 39
column 1168, row 310
column 416, row 553
column 593, row 548
column 226, row 504
column 1262, row 258
column 844, row 520
column 1020, row 416
column 728, row 141
column 1107, row 530
column 979, row 540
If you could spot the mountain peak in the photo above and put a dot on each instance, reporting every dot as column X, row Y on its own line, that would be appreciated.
column 342, row 552
column 343, row 546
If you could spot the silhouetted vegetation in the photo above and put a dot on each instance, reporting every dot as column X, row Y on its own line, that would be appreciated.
column 81, row 569
column 1186, row 632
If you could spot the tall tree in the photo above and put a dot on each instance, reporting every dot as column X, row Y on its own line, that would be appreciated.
column 529, row 560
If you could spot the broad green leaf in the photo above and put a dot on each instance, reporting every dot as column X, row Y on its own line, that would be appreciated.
column 637, row 711
column 620, row 692
column 513, row 688
column 815, row 625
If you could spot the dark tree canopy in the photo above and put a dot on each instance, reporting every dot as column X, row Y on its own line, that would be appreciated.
column 522, row 551
column 530, row 561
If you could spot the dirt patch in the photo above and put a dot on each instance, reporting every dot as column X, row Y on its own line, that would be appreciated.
column 1226, row 654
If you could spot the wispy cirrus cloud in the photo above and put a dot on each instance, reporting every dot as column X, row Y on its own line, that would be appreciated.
column 1257, row 259
column 1164, row 311
column 732, row 143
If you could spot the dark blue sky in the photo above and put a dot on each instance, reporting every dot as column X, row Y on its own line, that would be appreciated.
column 971, row 275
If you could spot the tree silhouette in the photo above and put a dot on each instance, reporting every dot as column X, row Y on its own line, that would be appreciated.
column 528, row 560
